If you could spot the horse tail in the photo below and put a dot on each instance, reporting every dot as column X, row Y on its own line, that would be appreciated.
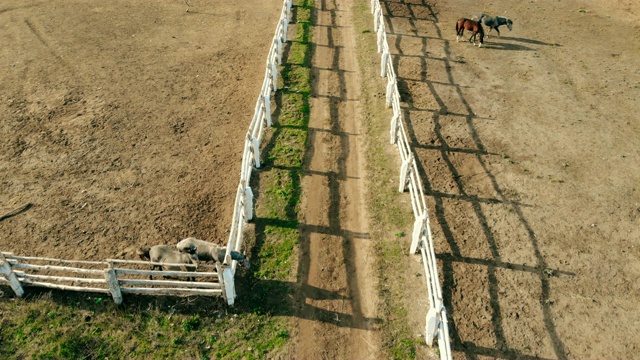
column 457, row 26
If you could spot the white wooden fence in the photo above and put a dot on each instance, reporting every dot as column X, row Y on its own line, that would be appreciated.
column 111, row 277
column 117, row 277
column 422, row 240
column 243, row 206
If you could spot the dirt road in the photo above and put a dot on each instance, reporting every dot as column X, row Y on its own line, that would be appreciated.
column 336, row 306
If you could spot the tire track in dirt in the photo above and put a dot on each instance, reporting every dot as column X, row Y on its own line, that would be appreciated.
column 38, row 34
column 336, row 309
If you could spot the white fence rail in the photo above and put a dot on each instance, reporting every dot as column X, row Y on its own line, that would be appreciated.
column 422, row 240
column 114, row 277
column 111, row 276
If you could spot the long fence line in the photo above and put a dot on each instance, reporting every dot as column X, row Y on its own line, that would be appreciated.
column 422, row 239
column 118, row 277
column 243, row 206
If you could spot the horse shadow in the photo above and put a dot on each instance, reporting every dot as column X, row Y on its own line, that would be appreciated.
column 529, row 41
column 505, row 46
column 512, row 43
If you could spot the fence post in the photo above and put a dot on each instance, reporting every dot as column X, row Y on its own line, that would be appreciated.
column 5, row 269
column 255, row 146
column 390, row 87
column 418, row 231
column 266, row 100
column 274, row 75
column 394, row 128
column 114, row 286
column 383, row 68
column 279, row 49
column 228, row 286
column 248, row 203
column 431, row 328
column 404, row 172
column 285, row 28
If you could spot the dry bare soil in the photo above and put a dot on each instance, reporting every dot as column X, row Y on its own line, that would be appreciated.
column 337, row 301
column 529, row 147
column 123, row 126
column 123, row 123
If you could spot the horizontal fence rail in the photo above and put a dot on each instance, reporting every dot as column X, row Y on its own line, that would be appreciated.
column 117, row 277
column 114, row 277
column 422, row 240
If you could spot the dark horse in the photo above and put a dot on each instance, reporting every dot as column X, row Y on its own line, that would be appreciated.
column 493, row 22
column 473, row 26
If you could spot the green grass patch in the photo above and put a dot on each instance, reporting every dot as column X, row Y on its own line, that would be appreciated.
column 279, row 182
column 277, row 208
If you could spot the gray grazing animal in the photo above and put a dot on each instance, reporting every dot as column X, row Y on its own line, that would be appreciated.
column 207, row 251
column 167, row 254
column 493, row 22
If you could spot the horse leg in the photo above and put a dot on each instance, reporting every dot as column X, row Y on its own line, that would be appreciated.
column 498, row 31
column 473, row 36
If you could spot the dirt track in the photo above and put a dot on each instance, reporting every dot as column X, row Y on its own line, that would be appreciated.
column 337, row 303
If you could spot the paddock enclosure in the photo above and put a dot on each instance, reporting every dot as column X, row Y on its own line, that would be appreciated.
column 528, row 152
column 125, row 124
column 120, row 129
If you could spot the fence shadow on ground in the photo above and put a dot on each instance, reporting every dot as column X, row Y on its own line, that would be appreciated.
column 405, row 15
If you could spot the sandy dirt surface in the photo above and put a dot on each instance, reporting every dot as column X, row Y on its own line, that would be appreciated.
column 530, row 151
column 337, row 304
column 123, row 123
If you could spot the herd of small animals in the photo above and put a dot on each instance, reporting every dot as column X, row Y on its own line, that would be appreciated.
column 186, row 255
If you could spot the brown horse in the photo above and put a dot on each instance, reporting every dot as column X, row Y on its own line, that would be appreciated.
column 474, row 26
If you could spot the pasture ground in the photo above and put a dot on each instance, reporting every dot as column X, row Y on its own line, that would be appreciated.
column 530, row 151
column 124, row 123
column 123, row 126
